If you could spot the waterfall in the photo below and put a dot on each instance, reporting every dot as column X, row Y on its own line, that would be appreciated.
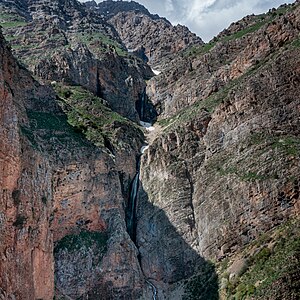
column 154, row 289
column 143, row 103
column 131, row 209
column 131, row 222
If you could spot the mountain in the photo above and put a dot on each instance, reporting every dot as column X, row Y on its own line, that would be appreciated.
column 119, row 181
column 155, row 39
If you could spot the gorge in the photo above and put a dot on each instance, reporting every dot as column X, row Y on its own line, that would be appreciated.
column 138, row 162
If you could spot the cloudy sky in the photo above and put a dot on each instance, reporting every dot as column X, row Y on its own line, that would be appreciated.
column 208, row 17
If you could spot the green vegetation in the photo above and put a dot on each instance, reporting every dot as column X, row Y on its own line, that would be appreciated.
column 44, row 199
column 13, row 24
column 296, row 43
column 245, row 176
column 199, row 50
column 16, row 194
column 260, row 150
column 204, row 285
column 243, row 32
column 209, row 104
column 258, row 22
column 89, row 115
column 53, row 128
column 101, row 43
column 287, row 144
column 11, row 20
column 273, row 266
column 85, row 239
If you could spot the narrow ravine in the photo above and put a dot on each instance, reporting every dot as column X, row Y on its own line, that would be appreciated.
column 131, row 210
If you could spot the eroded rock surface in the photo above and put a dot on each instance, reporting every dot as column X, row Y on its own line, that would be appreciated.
column 54, row 185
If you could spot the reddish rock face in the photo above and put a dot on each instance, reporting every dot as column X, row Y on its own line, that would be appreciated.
column 221, row 171
column 52, row 188
column 26, row 262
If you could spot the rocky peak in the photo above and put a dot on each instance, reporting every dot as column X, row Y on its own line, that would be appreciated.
column 157, row 37
column 211, row 203
column 109, row 9
column 47, row 43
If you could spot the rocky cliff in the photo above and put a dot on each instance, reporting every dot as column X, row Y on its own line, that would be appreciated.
column 211, row 208
column 224, row 167
column 59, row 191
column 149, row 36
column 64, row 41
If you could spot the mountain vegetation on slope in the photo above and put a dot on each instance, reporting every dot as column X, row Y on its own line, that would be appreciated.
column 214, row 197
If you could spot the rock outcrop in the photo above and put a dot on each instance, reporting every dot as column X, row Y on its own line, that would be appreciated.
column 217, row 187
column 57, row 188
column 149, row 36
column 64, row 41
column 157, row 38
column 224, row 169
column 26, row 265
column 203, row 71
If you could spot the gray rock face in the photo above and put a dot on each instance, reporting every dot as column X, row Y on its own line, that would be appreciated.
column 222, row 166
column 65, row 42
column 158, row 38
column 117, row 80
column 223, row 178
column 205, row 70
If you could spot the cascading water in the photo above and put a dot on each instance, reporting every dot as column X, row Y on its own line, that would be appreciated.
column 131, row 209
column 131, row 222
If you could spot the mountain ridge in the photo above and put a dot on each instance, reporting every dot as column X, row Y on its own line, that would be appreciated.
column 215, row 191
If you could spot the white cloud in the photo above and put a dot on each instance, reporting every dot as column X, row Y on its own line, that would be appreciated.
column 169, row 7
column 208, row 17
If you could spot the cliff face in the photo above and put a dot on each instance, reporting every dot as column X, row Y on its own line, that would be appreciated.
column 223, row 170
column 64, row 41
column 26, row 239
column 217, row 206
column 204, row 70
column 149, row 36
column 59, row 191
column 156, row 38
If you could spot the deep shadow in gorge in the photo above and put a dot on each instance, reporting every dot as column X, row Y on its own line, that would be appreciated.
column 167, row 259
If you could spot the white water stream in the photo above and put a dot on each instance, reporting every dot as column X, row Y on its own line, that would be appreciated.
column 133, row 202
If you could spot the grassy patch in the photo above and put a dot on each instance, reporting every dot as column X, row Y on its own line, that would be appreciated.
column 199, row 50
column 296, row 43
column 53, row 128
column 20, row 221
column 209, row 104
column 243, row 32
column 100, row 42
column 85, row 239
column 274, row 267
column 204, row 285
column 256, row 160
column 89, row 114
column 13, row 24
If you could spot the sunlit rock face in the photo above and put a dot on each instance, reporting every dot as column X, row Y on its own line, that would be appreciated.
column 100, row 201
column 57, row 188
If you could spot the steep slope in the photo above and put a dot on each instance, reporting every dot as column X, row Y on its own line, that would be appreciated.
column 212, row 206
column 59, row 192
column 151, row 37
column 203, row 71
column 26, row 239
column 224, row 167
column 63, row 41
